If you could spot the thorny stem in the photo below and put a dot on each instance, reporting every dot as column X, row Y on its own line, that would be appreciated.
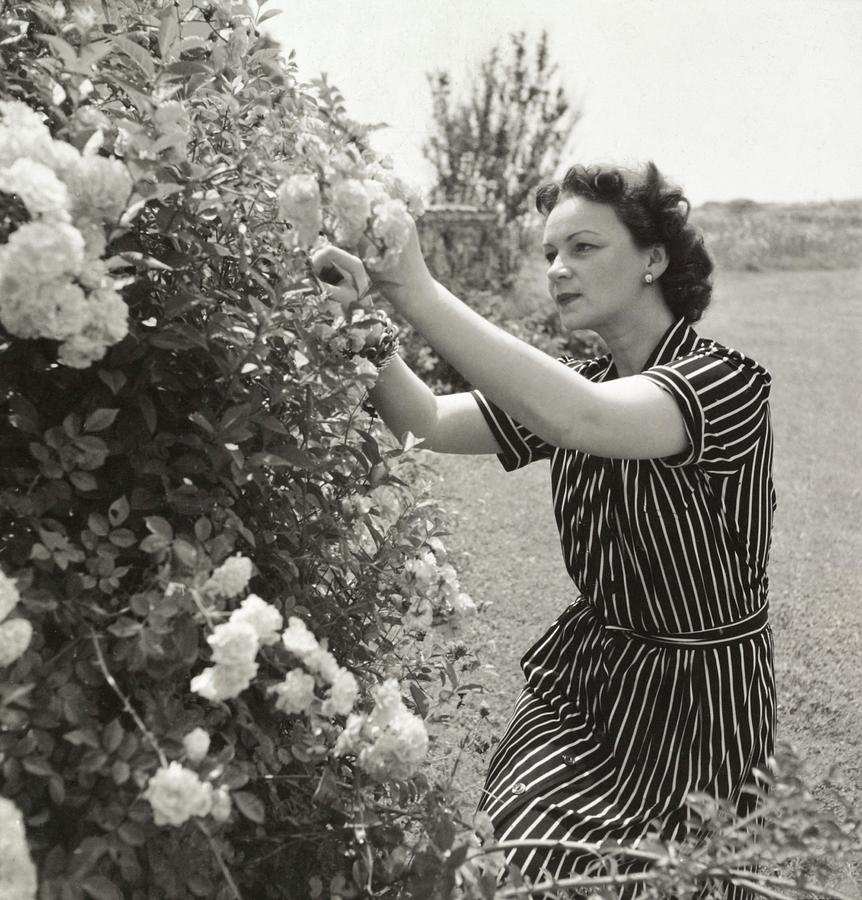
column 222, row 865
column 127, row 705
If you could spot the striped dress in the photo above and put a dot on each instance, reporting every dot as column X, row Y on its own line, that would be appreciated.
column 657, row 681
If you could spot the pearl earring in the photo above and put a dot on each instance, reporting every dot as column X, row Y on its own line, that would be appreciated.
column 648, row 278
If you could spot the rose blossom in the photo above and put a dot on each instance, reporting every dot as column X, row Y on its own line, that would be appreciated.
column 266, row 620
column 224, row 682
column 342, row 694
column 197, row 744
column 17, row 872
column 231, row 577
column 176, row 794
column 295, row 693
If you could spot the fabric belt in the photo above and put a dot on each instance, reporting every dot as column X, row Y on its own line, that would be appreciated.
column 731, row 633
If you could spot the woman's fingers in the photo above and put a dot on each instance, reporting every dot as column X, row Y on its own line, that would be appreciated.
column 355, row 279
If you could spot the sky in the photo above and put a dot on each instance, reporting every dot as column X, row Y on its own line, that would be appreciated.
column 756, row 99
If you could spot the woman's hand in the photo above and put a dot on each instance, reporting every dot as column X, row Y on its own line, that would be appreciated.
column 405, row 274
column 344, row 275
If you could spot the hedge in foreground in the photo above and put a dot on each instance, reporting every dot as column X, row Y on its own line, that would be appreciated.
column 211, row 559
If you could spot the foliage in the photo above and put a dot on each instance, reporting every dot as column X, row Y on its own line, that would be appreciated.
column 745, row 235
column 202, row 477
column 492, row 149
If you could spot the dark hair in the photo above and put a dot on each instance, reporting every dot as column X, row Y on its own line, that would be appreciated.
column 654, row 212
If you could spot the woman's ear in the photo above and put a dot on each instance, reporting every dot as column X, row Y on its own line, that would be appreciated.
column 658, row 260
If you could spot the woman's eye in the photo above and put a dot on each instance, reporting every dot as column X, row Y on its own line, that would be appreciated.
column 581, row 247
column 550, row 256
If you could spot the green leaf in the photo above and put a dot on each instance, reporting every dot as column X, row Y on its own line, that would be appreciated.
column 160, row 526
column 419, row 699
column 187, row 69
column 123, row 537
column 125, row 627
column 137, row 54
column 100, row 419
column 148, row 411
column 100, row 888
column 168, row 32
column 65, row 51
column 269, row 15
column 112, row 736
column 119, row 511
column 98, row 524
column 83, row 481
column 249, row 805
column 25, row 416
column 72, row 425
column 113, row 379
column 154, row 543
column 132, row 834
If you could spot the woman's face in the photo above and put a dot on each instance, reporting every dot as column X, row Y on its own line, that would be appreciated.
column 595, row 271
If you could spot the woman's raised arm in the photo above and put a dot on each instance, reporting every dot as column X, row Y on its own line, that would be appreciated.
column 628, row 418
column 447, row 424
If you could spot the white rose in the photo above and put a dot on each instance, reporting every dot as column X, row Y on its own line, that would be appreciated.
column 221, row 804
column 323, row 663
column 399, row 750
column 9, row 595
column 296, row 693
column 350, row 738
column 17, row 872
column 99, row 188
column 197, row 744
column 224, row 682
column 38, row 187
column 176, row 794
column 15, row 637
column 342, row 694
column 352, row 208
column 231, row 577
column 463, row 604
column 299, row 203
column 393, row 226
column 298, row 640
column 234, row 642
column 57, row 310
column 266, row 620
column 387, row 702
column 420, row 616
column 106, row 324
column 23, row 134
column 40, row 253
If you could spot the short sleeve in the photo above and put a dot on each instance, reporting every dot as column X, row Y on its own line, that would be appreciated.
column 724, row 400
column 519, row 445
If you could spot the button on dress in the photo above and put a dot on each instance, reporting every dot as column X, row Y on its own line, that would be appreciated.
column 658, row 680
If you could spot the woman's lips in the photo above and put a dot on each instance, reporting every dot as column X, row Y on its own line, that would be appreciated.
column 565, row 299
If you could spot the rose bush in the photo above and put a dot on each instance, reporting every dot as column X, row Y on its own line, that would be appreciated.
column 206, row 540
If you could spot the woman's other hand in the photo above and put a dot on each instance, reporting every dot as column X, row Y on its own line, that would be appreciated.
column 403, row 274
column 344, row 274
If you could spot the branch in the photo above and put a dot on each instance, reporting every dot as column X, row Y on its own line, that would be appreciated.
column 127, row 705
column 222, row 865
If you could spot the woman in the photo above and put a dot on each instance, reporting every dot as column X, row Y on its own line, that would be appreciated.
column 657, row 681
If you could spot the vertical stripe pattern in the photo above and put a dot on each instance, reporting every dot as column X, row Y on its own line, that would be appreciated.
column 658, row 680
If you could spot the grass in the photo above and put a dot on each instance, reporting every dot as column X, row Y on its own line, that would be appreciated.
column 806, row 327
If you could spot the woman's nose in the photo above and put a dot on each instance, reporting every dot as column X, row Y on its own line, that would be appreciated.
column 557, row 272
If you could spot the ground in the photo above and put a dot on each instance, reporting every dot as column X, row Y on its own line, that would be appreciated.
column 806, row 328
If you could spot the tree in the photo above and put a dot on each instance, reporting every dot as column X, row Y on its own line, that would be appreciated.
column 494, row 148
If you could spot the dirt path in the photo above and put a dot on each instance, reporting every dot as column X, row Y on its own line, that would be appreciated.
column 806, row 327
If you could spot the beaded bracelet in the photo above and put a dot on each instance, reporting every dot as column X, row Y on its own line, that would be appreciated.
column 386, row 349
